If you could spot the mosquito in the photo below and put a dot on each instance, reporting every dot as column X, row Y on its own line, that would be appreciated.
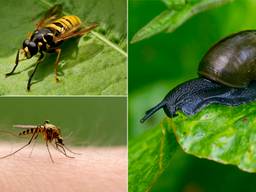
column 50, row 133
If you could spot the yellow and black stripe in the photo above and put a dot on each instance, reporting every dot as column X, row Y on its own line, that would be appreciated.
column 64, row 24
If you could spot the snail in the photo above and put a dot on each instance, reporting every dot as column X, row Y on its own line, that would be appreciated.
column 226, row 76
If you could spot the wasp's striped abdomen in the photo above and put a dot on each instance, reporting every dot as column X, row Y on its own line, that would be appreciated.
column 64, row 24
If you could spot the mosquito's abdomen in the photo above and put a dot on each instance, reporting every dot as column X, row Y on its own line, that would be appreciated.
column 31, row 131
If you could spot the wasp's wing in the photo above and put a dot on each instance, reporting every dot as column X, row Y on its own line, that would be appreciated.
column 52, row 14
column 75, row 32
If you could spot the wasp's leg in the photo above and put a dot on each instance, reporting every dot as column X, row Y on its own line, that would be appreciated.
column 31, row 76
column 58, row 51
column 16, row 64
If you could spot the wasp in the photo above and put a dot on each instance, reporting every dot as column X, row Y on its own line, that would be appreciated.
column 51, row 134
column 51, row 31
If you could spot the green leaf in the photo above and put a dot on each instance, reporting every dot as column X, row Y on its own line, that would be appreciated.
column 149, row 155
column 220, row 133
column 95, row 64
column 170, row 19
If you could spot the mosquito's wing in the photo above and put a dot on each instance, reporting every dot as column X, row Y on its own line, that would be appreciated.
column 25, row 126
column 52, row 14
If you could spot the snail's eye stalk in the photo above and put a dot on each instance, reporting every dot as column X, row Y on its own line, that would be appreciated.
column 151, row 111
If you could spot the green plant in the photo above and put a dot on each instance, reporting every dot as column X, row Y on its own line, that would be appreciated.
column 177, row 12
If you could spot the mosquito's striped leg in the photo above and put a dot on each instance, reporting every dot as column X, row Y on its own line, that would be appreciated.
column 64, row 151
column 64, row 146
column 21, row 147
column 49, row 151
column 30, row 154
column 57, row 148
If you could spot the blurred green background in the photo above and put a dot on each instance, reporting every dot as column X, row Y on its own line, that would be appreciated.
column 158, row 64
column 84, row 121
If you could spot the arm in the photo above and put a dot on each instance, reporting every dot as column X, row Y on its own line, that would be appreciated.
column 96, row 169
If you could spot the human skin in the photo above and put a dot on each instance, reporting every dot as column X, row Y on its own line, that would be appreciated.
column 95, row 169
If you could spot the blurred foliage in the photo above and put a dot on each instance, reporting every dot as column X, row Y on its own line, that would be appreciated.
column 187, row 173
column 84, row 121
column 160, row 63
column 149, row 155
column 175, row 4
column 96, row 64
column 177, row 13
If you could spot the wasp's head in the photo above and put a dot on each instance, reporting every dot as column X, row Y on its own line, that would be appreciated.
column 29, row 48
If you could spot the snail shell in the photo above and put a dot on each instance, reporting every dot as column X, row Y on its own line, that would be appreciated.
column 232, row 61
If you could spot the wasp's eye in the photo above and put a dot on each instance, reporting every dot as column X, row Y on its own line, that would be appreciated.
column 25, row 43
column 32, row 47
column 32, row 44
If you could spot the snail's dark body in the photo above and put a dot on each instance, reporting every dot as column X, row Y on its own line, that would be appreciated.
column 192, row 96
column 231, row 67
